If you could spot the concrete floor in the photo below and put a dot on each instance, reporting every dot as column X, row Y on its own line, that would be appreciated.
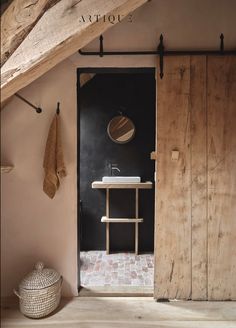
column 127, row 312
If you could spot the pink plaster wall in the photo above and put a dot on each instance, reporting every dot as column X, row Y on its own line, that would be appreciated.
column 33, row 226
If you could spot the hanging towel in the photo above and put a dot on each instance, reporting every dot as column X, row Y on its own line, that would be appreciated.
column 53, row 164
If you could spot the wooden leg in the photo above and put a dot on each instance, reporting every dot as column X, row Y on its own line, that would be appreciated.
column 107, row 224
column 136, row 224
column 107, row 238
column 136, row 238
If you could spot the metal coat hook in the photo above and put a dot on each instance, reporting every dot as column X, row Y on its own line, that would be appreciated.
column 101, row 46
column 37, row 109
column 58, row 108
column 222, row 43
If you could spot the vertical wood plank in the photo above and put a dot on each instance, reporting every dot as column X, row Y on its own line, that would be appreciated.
column 173, row 196
column 221, row 91
column 198, row 177
column 107, row 223
column 136, row 216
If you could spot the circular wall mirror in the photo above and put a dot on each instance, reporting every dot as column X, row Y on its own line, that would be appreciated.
column 121, row 129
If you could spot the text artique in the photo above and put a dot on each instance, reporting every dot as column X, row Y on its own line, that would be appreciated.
column 112, row 19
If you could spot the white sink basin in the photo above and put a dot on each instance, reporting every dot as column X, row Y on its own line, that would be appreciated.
column 121, row 179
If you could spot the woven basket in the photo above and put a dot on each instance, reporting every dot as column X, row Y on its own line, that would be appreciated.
column 39, row 292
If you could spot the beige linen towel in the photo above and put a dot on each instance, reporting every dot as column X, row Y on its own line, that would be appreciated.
column 53, row 164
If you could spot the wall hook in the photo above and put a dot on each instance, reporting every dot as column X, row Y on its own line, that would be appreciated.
column 222, row 42
column 58, row 108
column 101, row 46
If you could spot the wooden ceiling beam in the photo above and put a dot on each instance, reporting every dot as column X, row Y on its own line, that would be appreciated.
column 17, row 21
column 59, row 33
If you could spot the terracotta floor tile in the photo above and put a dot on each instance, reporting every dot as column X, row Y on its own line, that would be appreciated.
column 120, row 269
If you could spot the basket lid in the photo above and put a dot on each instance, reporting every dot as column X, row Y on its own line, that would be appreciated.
column 40, row 277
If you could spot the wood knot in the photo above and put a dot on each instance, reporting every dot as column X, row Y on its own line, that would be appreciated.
column 182, row 71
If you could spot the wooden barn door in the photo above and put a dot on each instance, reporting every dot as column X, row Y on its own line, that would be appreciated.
column 173, row 199
column 196, row 179
column 221, row 104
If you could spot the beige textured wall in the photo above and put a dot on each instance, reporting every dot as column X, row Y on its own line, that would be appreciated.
column 33, row 226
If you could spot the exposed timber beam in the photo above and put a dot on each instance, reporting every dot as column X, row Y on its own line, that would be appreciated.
column 58, row 34
column 17, row 21
column 4, row 5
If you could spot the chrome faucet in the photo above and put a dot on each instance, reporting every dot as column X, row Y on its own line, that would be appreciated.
column 113, row 167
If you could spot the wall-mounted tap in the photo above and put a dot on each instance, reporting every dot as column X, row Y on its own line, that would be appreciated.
column 113, row 167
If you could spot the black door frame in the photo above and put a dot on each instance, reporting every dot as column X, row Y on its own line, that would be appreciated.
column 97, row 70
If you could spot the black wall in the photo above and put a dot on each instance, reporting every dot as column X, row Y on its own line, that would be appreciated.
column 99, row 101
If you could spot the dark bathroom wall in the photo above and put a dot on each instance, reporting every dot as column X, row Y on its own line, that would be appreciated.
column 99, row 101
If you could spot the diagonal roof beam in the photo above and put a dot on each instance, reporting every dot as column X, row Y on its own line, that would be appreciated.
column 58, row 34
column 17, row 21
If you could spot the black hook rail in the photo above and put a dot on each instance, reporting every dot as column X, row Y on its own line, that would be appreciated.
column 37, row 109
column 161, row 52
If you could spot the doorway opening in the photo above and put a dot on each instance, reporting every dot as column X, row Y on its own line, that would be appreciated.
column 106, row 252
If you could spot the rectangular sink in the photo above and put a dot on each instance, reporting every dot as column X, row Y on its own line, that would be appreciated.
column 120, row 179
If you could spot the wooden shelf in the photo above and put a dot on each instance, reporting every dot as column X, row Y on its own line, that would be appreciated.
column 121, row 185
column 6, row 168
column 121, row 220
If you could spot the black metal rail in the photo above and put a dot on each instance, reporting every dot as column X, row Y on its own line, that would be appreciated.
column 161, row 52
column 37, row 109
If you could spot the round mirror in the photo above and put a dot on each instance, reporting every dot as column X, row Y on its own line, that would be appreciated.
column 121, row 129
